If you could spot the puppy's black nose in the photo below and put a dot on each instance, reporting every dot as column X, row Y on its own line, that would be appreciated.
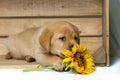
column 70, row 47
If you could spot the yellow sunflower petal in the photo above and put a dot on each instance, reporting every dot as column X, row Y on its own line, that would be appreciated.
column 80, row 69
column 74, row 49
column 88, row 63
column 82, row 48
column 88, row 71
column 73, row 64
column 88, row 56
column 67, row 53
column 67, row 59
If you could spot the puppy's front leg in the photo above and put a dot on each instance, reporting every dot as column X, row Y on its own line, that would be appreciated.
column 50, row 60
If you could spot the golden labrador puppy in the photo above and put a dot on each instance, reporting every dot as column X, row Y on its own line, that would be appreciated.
column 44, row 45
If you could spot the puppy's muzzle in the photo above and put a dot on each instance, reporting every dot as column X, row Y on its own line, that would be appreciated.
column 70, row 47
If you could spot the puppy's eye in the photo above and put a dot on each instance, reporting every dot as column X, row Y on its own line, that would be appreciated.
column 76, row 38
column 63, row 38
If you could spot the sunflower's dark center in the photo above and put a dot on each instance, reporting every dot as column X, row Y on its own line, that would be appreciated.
column 79, row 58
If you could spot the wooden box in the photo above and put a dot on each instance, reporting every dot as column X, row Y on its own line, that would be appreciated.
column 91, row 17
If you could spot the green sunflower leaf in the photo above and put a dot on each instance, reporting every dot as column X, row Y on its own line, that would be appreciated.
column 73, row 70
column 66, row 65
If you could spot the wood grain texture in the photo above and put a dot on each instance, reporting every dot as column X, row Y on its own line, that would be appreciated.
column 88, row 26
column 9, row 8
column 100, row 55
column 107, row 51
column 106, row 21
column 12, row 63
column 106, row 15
column 3, row 49
column 93, row 43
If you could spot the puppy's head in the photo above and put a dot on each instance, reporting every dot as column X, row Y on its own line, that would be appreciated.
column 59, row 37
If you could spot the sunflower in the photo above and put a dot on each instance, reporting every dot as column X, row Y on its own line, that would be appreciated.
column 79, row 60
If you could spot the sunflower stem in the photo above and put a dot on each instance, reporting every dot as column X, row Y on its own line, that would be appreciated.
column 38, row 68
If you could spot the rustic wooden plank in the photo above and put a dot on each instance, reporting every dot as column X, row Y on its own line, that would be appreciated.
column 88, row 26
column 107, row 32
column 100, row 55
column 100, row 64
column 106, row 29
column 92, row 43
column 106, row 15
column 3, row 49
column 12, row 63
column 26, row 8
column 107, row 52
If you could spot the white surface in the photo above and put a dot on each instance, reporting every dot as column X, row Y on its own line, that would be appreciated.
column 101, row 73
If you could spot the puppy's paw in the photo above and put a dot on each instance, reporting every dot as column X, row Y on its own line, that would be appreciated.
column 8, row 56
column 29, row 58
column 58, row 65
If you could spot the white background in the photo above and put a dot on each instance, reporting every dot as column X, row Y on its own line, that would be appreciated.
column 101, row 73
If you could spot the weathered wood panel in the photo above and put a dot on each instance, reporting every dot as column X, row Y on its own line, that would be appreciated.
column 15, row 63
column 13, row 8
column 106, row 27
column 3, row 49
column 92, row 43
column 107, row 51
column 88, row 26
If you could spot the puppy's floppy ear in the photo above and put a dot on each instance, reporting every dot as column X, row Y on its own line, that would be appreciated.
column 45, row 39
column 80, row 32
